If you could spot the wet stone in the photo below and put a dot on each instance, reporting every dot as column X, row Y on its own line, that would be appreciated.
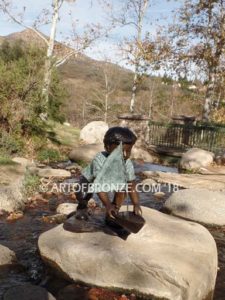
column 27, row 292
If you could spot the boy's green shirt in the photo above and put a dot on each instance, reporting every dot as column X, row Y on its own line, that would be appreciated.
column 110, row 170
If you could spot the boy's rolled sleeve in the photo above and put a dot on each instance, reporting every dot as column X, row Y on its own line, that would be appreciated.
column 130, row 170
column 92, row 170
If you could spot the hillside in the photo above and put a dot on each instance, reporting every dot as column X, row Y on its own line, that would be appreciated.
column 85, row 82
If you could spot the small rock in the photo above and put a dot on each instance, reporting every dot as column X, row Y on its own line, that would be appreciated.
column 159, row 194
column 27, row 292
column 92, row 203
column 38, row 197
column 7, row 256
column 73, row 167
column 73, row 292
column 58, row 219
column 15, row 216
column 66, row 208
column 40, row 165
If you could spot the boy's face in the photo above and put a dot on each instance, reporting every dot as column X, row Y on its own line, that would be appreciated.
column 126, row 149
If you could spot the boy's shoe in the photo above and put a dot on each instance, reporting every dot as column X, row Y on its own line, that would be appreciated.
column 82, row 214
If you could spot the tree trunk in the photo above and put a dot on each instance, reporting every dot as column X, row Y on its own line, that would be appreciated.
column 106, row 108
column 134, row 90
column 208, row 99
column 140, row 14
column 48, row 61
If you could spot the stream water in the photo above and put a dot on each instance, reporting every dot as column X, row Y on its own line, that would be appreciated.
column 21, row 236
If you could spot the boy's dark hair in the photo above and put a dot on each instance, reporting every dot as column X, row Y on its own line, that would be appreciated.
column 115, row 135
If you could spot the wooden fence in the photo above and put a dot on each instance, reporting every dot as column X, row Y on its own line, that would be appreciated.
column 182, row 137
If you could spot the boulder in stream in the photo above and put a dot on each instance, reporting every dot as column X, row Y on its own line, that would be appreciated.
column 199, row 205
column 94, row 132
column 168, row 258
column 7, row 256
column 85, row 152
column 196, row 158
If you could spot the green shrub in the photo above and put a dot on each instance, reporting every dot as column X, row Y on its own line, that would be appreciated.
column 50, row 155
column 5, row 160
column 11, row 143
column 31, row 184
column 21, row 101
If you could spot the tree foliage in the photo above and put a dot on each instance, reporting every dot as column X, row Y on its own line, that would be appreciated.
column 21, row 102
column 198, row 41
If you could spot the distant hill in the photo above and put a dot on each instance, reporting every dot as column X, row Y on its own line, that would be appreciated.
column 84, row 79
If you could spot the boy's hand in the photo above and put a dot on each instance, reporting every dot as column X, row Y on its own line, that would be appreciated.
column 111, row 210
column 137, row 210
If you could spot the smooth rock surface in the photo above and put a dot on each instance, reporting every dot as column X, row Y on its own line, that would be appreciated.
column 199, row 205
column 7, row 256
column 140, row 153
column 94, row 132
column 85, row 152
column 27, row 292
column 196, row 158
column 11, row 188
column 148, row 182
column 22, row 161
column 168, row 258
column 48, row 172
column 210, row 181
column 66, row 208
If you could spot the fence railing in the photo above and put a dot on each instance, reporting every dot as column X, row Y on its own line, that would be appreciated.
column 182, row 137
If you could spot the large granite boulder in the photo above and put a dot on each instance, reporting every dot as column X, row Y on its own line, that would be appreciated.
column 196, row 158
column 168, row 258
column 85, row 152
column 7, row 256
column 199, row 205
column 94, row 132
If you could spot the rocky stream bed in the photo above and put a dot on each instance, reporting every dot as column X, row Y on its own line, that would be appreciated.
column 21, row 236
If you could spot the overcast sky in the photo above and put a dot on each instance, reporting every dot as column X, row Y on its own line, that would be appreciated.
column 85, row 13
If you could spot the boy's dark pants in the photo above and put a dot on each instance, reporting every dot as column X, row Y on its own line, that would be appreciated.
column 82, row 194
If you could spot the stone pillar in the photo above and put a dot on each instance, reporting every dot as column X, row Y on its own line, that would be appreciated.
column 138, row 124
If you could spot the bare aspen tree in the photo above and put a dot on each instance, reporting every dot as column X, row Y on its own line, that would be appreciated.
column 131, row 13
column 50, row 47
column 139, row 7
column 101, row 103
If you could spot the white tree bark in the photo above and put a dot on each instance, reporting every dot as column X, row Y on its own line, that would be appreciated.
column 49, row 54
column 209, row 98
column 140, row 7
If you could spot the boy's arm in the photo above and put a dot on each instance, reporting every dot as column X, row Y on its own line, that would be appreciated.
column 111, row 210
column 134, row 197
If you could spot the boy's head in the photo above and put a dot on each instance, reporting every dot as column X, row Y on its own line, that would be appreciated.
column 115, row 135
